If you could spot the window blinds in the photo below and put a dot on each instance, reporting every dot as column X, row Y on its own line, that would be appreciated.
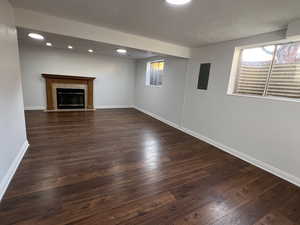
column 270, row 71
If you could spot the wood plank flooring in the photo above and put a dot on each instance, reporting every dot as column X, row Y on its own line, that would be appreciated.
column 122, row 167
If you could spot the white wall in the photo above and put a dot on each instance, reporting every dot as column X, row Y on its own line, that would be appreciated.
column 12, row 124
column 260, row 129
column 165, row 101
column 114, row 84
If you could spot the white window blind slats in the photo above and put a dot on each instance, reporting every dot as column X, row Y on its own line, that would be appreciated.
column 252, row 80
column 270, row 71
column 285, row 81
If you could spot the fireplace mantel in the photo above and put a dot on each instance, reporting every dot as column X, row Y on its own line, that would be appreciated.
column 55, row 79
column 53, row 76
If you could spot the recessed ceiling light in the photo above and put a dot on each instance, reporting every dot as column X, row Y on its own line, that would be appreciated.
column 91, row 50
column 178, row 2
column 49, row 44
column 121, row 51
column 70, row 47
column 36, row 36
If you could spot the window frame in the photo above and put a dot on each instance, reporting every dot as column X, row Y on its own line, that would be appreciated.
column 235, row 69
column 147, row 77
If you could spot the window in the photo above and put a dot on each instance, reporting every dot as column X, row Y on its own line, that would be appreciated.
column 154, row 73
column 271, row 70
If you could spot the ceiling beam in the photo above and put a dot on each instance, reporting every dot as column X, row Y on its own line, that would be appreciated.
column 293, row 31
column 42, row 22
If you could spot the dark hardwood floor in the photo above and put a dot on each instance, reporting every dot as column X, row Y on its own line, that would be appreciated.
column 122, row 167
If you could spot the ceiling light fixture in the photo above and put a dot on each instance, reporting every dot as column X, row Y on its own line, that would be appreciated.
column 49, row 44
column 121, row 51
column 178, row 2
column 70, row 47
column 36, row 36
column 91, row 50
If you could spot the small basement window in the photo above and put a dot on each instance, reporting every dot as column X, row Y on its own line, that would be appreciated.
column 267, row 71
column 155, row 71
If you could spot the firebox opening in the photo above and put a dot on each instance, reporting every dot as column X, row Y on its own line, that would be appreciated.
column 68, row 98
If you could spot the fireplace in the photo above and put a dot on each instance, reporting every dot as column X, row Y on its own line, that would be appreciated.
column 73, row 93
column 68, row 98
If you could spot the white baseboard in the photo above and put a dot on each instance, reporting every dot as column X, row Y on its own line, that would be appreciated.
column 97, row 107
column 35, row 108
column 113, row 107
column 12, row 169
column 172, row 124
column 265, row 166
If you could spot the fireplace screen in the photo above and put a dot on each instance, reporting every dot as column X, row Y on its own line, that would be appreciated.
column 68, row 98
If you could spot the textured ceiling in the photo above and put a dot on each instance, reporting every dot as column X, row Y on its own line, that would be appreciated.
column 80, row 45
column 198, row 23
